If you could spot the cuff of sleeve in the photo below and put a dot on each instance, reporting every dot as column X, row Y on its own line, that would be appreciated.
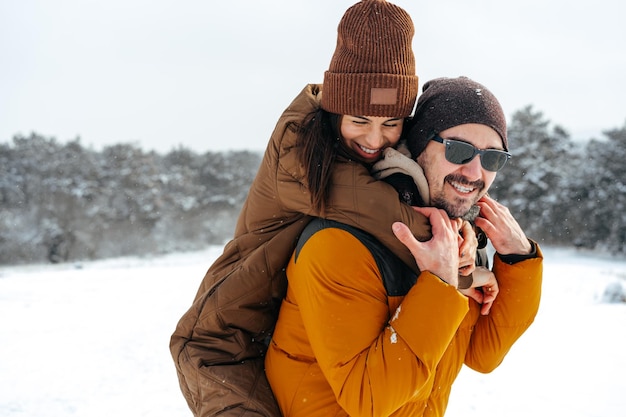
column 515, row 258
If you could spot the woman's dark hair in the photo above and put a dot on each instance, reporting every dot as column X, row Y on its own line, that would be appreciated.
column 317, row 144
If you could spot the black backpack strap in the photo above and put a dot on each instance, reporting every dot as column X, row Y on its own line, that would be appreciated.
column 397, row 277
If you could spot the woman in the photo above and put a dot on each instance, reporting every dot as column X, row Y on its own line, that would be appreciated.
column 316, row 163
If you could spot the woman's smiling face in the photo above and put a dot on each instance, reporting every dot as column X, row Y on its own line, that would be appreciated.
column 366, row 137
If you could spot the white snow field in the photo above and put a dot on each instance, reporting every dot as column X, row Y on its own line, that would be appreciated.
column 91, row 339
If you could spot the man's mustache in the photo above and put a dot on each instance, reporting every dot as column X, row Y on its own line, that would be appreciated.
column 479, row 184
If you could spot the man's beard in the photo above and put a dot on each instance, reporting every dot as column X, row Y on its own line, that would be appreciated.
column 458, row 207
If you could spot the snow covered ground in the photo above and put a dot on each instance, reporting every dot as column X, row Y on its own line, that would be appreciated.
column 91, row 339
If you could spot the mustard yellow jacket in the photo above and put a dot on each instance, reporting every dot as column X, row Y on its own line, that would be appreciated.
column 219, row 343
column 352, row 342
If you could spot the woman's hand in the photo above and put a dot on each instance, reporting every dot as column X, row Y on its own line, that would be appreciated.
column 484, row 289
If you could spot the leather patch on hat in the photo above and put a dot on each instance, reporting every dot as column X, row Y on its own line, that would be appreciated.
column 384, row 96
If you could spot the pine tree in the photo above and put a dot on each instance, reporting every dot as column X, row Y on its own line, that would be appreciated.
column 532, row 184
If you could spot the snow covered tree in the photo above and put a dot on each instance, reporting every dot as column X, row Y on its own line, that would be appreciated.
column 534, row 182
column 603, row 211
column 37, row 188
column 64, row 202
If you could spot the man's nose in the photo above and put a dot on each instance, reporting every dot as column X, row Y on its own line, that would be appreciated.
column 473, row 169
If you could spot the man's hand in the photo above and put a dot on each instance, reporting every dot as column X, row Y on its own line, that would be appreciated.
column 484, row 289
column 440, row 254
column 505, row 234
column 468, row 244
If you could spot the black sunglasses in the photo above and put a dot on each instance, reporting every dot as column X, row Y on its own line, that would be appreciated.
column 461, row 153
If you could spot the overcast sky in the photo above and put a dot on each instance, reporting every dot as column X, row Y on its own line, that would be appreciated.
column 214, row 76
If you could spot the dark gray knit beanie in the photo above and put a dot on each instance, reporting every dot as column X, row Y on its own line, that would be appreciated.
column 449, row 102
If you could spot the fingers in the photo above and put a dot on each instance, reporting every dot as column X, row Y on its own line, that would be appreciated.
column 485, row 289
column 437, row 217
column 504, row 232
column 403, row 233
column 488, row 201
column 490, row 209
column 490, row 294
column 467, row 267
column 439, row 255
column 474, row 294
column 486, row 308
column 466, row 230
column 467, row 248
column 485, row 298
column 486, row 217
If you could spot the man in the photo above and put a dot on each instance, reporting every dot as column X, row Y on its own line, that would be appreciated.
column 358, row 332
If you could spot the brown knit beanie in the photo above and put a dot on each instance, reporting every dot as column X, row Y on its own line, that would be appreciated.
column 449, row 102
column 372, row 72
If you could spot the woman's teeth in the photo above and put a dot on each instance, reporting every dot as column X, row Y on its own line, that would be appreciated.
column 367, row 150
